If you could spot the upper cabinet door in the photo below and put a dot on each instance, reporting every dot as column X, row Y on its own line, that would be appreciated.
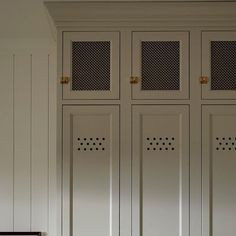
column 161, row 63
column 91, row 61
column 219, row 65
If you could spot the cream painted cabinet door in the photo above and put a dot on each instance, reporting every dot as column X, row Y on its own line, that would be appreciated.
column 219, row 170
column 91, row 61
column 91, row 170
column 160, row 170
column 219, row 64
column 161, row 62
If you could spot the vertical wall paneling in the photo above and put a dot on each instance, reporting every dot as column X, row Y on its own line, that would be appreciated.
column 22, row 142
column 52, row 113
column 40, row 138
column 28, row 138
column 6, row 142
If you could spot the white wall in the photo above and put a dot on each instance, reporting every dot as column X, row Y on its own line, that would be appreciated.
column 27, row 118
column 27, row 140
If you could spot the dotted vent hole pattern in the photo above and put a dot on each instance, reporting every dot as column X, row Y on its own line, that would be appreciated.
column 160, row 144
column 89, row 144
column 226, row 143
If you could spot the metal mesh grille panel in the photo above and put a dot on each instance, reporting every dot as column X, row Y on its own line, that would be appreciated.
column 91, row 65
column 160, row 65
column 223, row 65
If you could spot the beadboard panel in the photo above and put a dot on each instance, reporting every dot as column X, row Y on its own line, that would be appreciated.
column 28, row 140
column 52, row 162
column 40, row 142
column 22, row 135
column 6, row 142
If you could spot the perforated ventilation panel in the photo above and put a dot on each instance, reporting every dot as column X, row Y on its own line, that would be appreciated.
column 88, row 144
column 91, row 65
column 160, row 65
column 225, row 144
column 223, row 65
column 160, row 143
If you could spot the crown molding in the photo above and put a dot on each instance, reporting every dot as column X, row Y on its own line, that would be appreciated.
column 142, row 13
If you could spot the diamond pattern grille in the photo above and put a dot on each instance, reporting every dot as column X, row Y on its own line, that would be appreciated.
column 160, row 65
column 91, row 65
column 223, row 65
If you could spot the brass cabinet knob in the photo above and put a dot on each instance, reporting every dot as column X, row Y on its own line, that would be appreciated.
column 134, row 79
column 65, row 80
column 203, row 80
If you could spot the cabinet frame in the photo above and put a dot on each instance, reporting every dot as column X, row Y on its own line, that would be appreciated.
column 193, row 17
column 126, row 102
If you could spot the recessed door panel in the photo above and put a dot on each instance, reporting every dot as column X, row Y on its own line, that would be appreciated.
column 219, row 165
column 160, row 193
column 91, row 60
column 160, row 61
column 218, row 64
column 91, row 170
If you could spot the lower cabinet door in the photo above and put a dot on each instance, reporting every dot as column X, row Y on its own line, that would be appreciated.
column 91, row 170
column 160, row 170
column 219, row 170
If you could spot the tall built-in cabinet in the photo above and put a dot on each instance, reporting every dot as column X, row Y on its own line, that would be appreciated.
column 146, row 118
